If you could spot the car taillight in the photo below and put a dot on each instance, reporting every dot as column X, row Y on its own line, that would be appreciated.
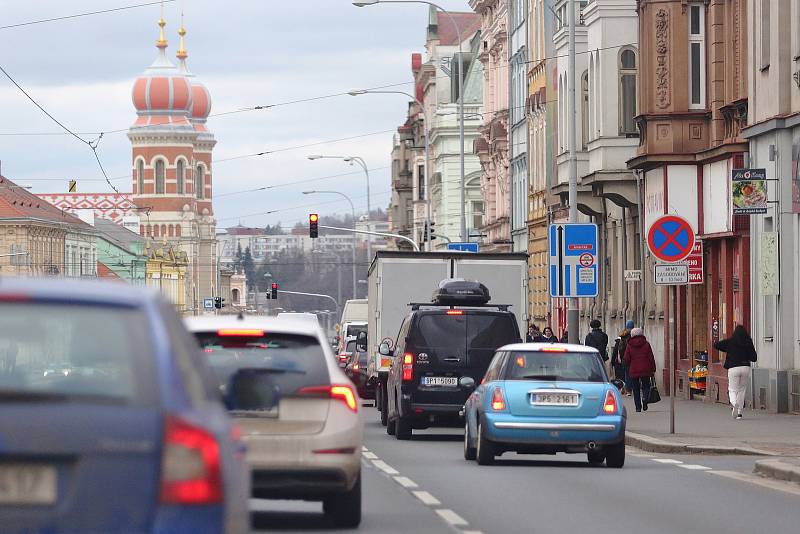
column 408, row 367
column 342, row 393
column 610, row 404
column 355, row 367
column 498, row 402
column 190, row 465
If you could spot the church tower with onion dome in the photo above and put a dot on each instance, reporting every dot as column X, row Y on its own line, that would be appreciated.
column 172, row 166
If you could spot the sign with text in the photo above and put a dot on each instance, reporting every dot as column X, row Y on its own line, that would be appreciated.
column 749, row 191
column 573, row 260
column 676, row 274
column 768, row 263
column 633, row 275
column 695, row 263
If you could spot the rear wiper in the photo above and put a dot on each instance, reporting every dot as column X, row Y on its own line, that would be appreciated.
column 552, row 378
column 24, row 395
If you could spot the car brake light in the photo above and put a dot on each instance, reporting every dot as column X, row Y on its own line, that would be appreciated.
column 553, row 349
column 344, row 394
column 498, row 402
column 455, row 312
column 610, row 405
column 355, row 367
column 408, row 367
column 240, row 332
column 190, row 465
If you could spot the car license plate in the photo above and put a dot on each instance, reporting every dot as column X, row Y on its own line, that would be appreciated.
column 554, row 399
column 27, row 484
column 449, row 381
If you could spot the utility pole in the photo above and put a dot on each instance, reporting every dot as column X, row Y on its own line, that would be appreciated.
column 574, row 304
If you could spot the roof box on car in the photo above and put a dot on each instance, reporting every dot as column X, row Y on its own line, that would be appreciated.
column 457, row 291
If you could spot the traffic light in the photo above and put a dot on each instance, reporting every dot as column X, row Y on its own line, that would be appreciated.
column 219, row 303
column 274, row 293
column 432, row 230
column 313, row 229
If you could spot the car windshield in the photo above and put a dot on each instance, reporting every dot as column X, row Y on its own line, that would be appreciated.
column 554, row 366
column 72, row 351
column 283, row 363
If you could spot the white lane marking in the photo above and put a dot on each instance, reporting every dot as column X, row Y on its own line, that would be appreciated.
column 471, row 532
column 667, row 461
column 777, row 485
column 406, row 482
column 452, row 518
column 370, row 455
column 694, row 467
column 386, row 468
column 364, row 449
column 427, row 498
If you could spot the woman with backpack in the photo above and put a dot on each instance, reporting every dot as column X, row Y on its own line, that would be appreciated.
column 740, row 352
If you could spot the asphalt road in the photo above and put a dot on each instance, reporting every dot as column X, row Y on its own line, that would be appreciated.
column 425, row 486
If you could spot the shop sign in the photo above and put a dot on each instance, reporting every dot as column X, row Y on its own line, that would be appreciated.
column 749, row 191
column 633, row 275
column 768, row 259
column 695, row 263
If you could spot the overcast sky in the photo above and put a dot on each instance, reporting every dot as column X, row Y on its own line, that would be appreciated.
column 247, row 52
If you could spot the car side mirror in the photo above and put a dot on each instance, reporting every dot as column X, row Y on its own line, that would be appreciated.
column 467, row 382
column 619, row 384
column 361, row 342
column 384, row 349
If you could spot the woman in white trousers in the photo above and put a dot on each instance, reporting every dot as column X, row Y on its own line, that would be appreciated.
column 740, row 352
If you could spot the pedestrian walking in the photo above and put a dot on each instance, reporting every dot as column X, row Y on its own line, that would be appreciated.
column 533, row 334
column 597, row 339
column 641, row 367
column 740, row 351
column 618, row 356
column 547, row 336
column 565, row 337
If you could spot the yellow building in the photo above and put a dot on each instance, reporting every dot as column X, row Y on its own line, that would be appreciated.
column 166, row 270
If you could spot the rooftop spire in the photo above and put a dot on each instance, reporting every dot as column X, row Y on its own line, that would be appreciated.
column 182, row 49
column 162, row 42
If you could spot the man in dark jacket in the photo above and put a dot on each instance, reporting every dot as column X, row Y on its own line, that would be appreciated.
column 618, row 355
column 641, row 367
column 740, row 352
column 597, row 339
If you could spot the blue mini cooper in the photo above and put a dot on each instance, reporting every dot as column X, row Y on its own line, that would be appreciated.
column 543, row 398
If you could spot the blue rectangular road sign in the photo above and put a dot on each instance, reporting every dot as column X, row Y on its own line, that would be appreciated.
column 463, row 247
column 573, row 260
column 208, row 304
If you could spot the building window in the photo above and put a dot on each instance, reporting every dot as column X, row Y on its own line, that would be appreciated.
column 179, row 172
column 198, row 182
column 421, row 181
column 409, row 212
column 584, row 110
column 765, row 34
column 627, row 92
column 477, row 213
column 140, row 177
column 160, row 176
column 697, row 57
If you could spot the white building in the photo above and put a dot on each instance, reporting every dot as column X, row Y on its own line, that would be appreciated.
column 517, row 121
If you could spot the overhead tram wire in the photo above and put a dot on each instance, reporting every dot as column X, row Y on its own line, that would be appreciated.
column 303, row 206
column 86, row 14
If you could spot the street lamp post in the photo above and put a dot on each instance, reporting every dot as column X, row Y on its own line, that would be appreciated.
column 363, row 164
column 460, row 101
column 353, row 210
column 426, row 123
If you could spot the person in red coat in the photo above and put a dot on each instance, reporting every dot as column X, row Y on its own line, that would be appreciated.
column 641, row 367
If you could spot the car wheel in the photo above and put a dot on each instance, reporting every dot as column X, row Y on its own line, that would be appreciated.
column 345, row 508
column 484, row 453
column 469, row 451
column 390, row 428
column 596, row 457
column 402, row 429
column 615, row 454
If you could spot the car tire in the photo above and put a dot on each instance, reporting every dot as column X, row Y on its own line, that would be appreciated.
column 402, row 430
column 615, row 455
column 469, row 452
column 380, row 395
column 345, row 508
column 596, row 457
column 390, row 428
column 485, row 451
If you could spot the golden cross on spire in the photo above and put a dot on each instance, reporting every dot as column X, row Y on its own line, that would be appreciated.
column 182, row 49
column 162, row 42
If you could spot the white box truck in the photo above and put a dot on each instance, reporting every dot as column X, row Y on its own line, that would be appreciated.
column 398, row 278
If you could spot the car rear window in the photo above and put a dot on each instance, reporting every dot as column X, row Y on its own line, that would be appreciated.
column 287, row 362
column 354, row 330
column 473, row 330
column 554, row 366
column 490, row 331
column 91, row 352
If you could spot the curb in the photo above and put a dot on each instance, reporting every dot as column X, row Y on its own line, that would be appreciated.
column 651, row 444
column 778, row 470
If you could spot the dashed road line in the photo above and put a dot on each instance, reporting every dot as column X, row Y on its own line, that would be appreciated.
column 406, row 482
column 426, row 498
column 667, row 461
column 452, row 518
column 370, row 455
column 386, row 468
column 695, row 467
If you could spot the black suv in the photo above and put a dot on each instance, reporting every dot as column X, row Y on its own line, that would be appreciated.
column 442, row 350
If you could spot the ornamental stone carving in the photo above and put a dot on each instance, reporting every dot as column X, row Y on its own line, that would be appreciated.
column 662, row 59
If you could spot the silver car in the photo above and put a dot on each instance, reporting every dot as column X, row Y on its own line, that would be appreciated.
column 298, row 412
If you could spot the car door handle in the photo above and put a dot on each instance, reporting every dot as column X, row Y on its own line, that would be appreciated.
column 452, row 359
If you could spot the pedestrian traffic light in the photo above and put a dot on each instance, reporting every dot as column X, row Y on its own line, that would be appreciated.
column 274, row 293
column 219, row 303
column 313, row 222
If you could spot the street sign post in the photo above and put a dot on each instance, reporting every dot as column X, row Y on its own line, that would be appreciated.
column 674, row 274
column 208, row 303
column 573, row 260
column 463, row 247
column 670, row 239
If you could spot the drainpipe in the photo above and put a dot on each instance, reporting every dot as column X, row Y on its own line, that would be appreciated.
column 624, row 264
column 640, row 200
column 604, row 256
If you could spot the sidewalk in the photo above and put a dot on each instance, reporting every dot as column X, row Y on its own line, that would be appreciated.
column 702, row 427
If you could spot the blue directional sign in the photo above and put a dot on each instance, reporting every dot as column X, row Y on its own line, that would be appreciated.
column 463, row 247
column 573, row 260
column 208, row 304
